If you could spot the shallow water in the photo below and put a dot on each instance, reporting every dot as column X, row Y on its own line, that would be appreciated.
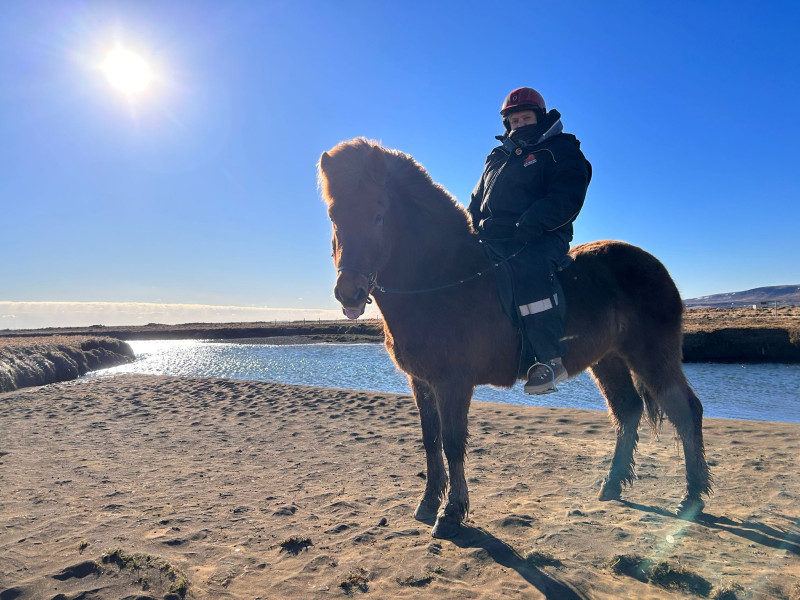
column 769, row 392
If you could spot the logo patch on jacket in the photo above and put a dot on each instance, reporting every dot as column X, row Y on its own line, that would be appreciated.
column 529, row 160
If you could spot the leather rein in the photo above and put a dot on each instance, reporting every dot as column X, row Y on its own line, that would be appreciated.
column 372, row 279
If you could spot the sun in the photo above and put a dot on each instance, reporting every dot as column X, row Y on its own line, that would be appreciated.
column 127, row 71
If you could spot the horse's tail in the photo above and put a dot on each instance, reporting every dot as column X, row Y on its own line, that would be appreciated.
column 654, row 415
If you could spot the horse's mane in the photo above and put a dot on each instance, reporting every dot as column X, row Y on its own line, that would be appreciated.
column 347, row 166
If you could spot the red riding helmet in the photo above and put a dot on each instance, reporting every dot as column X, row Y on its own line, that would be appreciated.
column 523, row 98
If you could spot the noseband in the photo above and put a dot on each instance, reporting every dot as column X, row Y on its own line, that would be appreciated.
column 372, row 279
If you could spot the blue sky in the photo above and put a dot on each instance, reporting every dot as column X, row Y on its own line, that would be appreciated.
column 202, row 189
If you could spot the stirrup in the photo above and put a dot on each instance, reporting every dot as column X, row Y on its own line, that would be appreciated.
column 552, row 388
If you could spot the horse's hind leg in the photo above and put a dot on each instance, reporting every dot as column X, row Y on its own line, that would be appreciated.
column 436, row 478
column 613, row 377
column 685, row 411
column 663, row 383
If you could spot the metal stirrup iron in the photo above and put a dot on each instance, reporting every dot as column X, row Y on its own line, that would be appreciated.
column 552, row 373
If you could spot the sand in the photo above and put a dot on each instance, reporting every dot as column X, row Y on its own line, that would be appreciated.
column 225, row 489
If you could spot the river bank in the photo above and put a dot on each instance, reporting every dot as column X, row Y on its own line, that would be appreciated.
column 369, row 330
column 741, row 335
column 30, row 361
column 710, row 334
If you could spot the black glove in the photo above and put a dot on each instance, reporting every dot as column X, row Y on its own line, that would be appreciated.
column 527, row 231
column 496, row 228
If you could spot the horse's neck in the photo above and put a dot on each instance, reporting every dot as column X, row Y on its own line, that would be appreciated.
column 432, row 249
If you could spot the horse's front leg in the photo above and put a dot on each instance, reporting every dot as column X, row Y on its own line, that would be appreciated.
column 453, row 403
column 436, row 479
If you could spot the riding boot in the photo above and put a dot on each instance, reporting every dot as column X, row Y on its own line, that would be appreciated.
column 543, row 377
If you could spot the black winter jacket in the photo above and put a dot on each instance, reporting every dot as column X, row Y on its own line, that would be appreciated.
column 533, row 184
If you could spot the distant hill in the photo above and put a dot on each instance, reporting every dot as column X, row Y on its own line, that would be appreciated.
column 784, row 295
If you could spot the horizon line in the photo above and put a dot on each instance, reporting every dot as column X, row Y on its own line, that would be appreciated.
column 35, row 314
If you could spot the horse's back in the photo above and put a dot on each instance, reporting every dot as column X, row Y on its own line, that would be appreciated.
column 621, row 293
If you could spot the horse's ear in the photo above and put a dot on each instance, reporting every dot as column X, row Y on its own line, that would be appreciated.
column 376, row 166
column 324, row 162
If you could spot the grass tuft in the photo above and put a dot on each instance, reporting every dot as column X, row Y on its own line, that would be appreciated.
column 662, row 574
column 630, row 565
column 678, row 578
column 542, row 559
column 728, row 591
column 355, row 580
column 143, row 566
column 414, row 581
column 295, row 544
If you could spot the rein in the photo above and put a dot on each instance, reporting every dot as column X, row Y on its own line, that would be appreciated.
column 373, row 279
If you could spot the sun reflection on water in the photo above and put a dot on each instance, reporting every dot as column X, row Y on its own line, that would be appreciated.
column 758, row 392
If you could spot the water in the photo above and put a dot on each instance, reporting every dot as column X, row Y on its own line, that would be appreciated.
column 769, row 392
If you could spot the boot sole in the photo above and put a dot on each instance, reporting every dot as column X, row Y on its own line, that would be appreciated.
column 547, row 388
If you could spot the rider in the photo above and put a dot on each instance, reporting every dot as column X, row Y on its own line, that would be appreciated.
column 531, row 190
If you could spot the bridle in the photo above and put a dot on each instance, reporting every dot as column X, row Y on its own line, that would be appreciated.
column 372, row 279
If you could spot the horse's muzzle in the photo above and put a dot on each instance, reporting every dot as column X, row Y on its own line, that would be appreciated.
column 352, row 293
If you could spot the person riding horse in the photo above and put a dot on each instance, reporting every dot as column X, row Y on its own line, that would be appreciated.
column 532, row 188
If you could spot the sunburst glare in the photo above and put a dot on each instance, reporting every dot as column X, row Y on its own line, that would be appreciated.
column 126, row 71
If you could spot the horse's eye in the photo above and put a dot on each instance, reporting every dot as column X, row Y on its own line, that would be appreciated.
column 379, row 220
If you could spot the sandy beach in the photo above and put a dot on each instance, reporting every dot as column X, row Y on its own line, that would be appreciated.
column 158, row 487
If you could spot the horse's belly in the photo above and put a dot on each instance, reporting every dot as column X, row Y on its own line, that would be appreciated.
column 475, row 357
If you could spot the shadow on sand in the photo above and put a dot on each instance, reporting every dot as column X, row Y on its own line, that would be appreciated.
column 505, row 555
column 552, row 588
column 759, row 533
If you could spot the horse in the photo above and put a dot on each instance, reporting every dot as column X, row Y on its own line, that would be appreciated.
column 403, row 240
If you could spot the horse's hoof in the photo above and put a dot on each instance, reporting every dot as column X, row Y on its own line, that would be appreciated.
column 689, row 508
column 426, row 511
column 445, row 529
column 609, row 492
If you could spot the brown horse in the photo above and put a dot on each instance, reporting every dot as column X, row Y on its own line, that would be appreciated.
column 402, row 238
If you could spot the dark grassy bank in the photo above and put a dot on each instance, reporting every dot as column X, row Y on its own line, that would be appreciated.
column 743, row 345
column 370, row 330
column 742, row 335
column 41, row 360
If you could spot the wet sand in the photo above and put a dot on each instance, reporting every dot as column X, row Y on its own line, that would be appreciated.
column 159, row 487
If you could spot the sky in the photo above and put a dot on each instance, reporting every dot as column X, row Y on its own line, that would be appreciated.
column 199, row 193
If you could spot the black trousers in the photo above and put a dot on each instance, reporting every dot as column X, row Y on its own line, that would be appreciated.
column 535, row 294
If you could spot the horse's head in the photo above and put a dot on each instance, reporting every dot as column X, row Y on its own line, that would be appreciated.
column 352, row 179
